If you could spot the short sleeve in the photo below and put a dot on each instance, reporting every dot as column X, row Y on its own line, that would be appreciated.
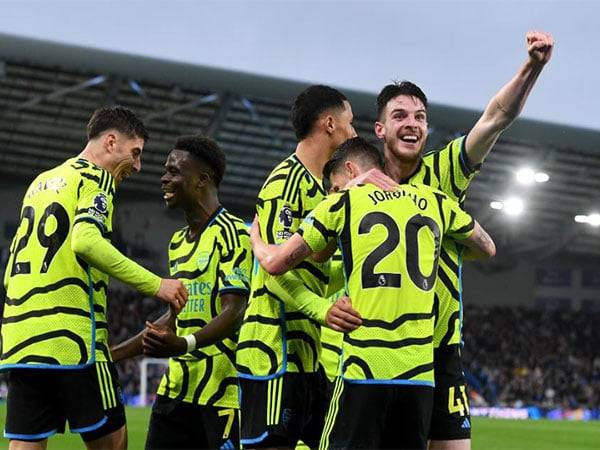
column 452, row 168
column 95, row 199
column 235, row 265
column 459, row 224
column 324, row 223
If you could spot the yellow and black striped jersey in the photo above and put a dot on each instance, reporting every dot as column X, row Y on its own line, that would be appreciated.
column 275, row 337
column 447, row 170
column 215, row 262
column 331, row 340
column 55, row 310
column 390, row 244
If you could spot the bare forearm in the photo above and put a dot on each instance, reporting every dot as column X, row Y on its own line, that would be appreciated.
column 278, row 259
column 479, row 245
column 508, row 103
column 133, row 347
column 222, row 326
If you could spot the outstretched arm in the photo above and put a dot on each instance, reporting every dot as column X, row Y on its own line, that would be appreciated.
column 508, row 103
column 479, row 244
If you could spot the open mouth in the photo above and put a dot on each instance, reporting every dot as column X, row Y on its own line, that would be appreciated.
column 409, row 138
column 168, row 195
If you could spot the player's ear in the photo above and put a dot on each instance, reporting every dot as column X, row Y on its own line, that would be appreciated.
column 352, row 169
column 109, row 141
column 329, row 124
column 203, row 179
column 380, row 131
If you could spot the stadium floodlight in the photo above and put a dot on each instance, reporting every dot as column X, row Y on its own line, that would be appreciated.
column 592, row 219
column 513, row 206
column 525, row 176
column 528, row 176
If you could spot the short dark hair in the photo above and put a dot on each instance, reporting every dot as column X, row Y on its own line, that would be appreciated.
column 394, row 90
column 119, row 118
column 207, row 151
column 353, row 148
column 309, row 105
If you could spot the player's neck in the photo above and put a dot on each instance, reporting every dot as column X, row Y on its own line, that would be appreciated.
column 313, row 153
column 399, row 170
column 198, row 215
column 90, row 153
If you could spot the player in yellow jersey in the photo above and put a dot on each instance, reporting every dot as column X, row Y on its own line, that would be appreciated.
column 402, row 127
column 390, row 242
column 54, row 330
column 197, row 400
column 283, row 392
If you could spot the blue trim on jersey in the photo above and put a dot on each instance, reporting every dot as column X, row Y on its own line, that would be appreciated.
column 464, row 159
column 214, row 217
column 29, row 437
column 255, row 440
column 45, row 367
column 284, row 353
column 400, row 382
column 92, row 315
column 90, row 428
column 67, row 367
column 460, row 298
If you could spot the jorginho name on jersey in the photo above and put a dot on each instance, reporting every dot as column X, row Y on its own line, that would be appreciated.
column 390, row 243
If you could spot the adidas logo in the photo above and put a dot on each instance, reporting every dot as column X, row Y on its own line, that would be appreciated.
column 466, row 424
column 227, row 445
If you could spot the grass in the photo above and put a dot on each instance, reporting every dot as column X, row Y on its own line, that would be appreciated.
column 488, row 434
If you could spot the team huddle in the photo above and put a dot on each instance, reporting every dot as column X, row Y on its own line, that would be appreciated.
column 345, row 330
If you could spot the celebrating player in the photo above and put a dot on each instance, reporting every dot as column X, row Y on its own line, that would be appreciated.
column 56, row 282
column 402, row 127
column 390, row 243
column 197, row 401
column 283, row 392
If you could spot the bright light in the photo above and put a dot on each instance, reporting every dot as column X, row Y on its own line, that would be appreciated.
column 592, row 219
column 497, row 205
column 525, row 176
column 513, row 206
column 528, row 176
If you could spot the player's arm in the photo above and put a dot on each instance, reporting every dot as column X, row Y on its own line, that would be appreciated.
column 508, row 103
column 133, row 346
column 278, row 259
column 460, row 226
column 233, row 284
column 88, row 242
column 479, row 244
column 161, row 340
column 290, row 288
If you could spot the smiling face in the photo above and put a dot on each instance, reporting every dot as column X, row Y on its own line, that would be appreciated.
column 403, row 128
column 180, row 180
column 125, row 154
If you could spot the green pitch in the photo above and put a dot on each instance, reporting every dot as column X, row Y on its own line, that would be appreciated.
column 488, row 434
